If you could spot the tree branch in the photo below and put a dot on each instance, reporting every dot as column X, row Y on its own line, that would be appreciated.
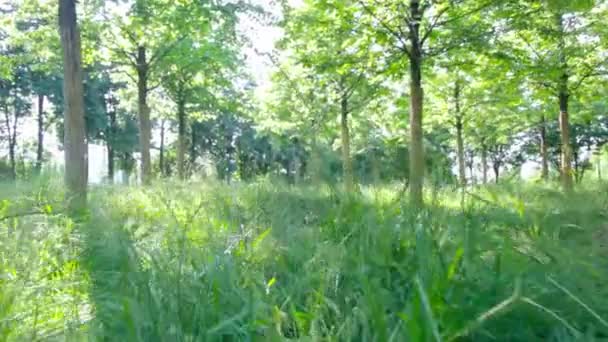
column 387, row 27
column 591, row 72
column 434, row 24
column 162, row 53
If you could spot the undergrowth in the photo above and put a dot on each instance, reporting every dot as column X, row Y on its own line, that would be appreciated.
column 263, row 262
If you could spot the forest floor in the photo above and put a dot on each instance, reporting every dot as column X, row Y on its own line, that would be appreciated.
column 264, row 262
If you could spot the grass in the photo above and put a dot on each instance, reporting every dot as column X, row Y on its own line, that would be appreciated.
column 264, row 262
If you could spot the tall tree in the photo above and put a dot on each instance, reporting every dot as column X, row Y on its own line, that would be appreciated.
column 419, row 31
column 558, row 43
column 317, row 34
column 144, row 39
column 74, row 121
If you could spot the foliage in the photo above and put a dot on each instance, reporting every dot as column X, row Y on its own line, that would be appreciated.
column 265, row 262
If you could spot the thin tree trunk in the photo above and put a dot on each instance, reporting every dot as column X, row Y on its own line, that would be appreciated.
column 143, row 110
column 544, row 154
column 161, row 158
column 193, row 142
column 110, row 164
column 12, row 158
column 347, row 163
column 460, row 151
column 181, row 138
column 577, row 168
column 564, row 126
column 11, row 148
column 416, row 176
column 73, row 93
column 496, row 168
column 484, row 163
column 40, row 149
column 13, row 140
column 470, row 164
column 110, row 144
column 459, row 140
column 564, row 121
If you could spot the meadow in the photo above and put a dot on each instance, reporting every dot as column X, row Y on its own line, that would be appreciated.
column 265, row 262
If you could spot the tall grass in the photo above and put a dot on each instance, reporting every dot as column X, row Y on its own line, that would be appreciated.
column 264, row 262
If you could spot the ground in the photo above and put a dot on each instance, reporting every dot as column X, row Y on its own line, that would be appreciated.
column 263, row 262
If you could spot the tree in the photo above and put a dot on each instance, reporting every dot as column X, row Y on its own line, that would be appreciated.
column 74, row 122
column 559, row 43
column 419, row 31
column 148, row 35
column 317, row 35
column 193, row 75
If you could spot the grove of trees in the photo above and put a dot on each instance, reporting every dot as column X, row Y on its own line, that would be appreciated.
column 421, row 92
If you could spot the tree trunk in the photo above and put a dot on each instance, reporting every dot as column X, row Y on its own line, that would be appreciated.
column 11, row 149
column 161, row 157
column 564, row 127
column 40, row 149
column 75, row 148
column 496, row 168
column 564, row 121
column 484, row 163
column 143, row 111
column 181, row 138
column 416, row 174
column 460, row 151
column 193, row 142
column 577, row 166
column 347, row 163
column 110, row 163
column 112, row 129
column 13, row 140
column 11, row 154
column 459, row 140
column 470, row 164
column 544, row 154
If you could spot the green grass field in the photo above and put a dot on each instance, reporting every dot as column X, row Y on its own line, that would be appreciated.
column 262, row 262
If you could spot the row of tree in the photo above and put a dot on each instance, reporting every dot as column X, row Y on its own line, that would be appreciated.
column 501, row 78
column 362, row 90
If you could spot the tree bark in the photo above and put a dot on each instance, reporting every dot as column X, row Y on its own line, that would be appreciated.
column 577, row 166
column 75, row 148
column 11, row 146
column 181, row 138
column 347, row 163
column 11, row 153
column 459, row 140
column 193, row 142
column 416, row 174
column 40, row 149
column 110, row 144
column 143, row 111
column 161, row 158
column 564, row 121
column 470, row 163
column 496, row 168
column 544, row 154
column 484, row 163
column 566, row 158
